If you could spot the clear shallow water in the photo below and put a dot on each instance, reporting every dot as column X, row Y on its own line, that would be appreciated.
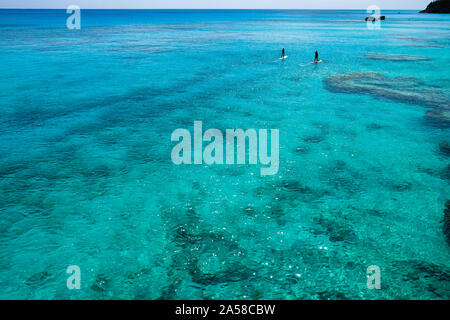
column 86, row 175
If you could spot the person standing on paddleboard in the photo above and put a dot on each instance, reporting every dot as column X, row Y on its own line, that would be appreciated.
column 282, row 53
column 316, row 57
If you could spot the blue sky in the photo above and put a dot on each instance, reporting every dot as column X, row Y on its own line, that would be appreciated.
column 217, row 4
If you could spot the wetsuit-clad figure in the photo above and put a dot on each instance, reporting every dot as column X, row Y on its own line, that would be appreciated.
column 282, row 53
column 316, row 57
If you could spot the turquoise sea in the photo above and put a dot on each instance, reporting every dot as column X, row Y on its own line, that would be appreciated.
column 86, row 176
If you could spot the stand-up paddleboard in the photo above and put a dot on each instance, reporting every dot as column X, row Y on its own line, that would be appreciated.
column 282, row 58
column 317, row 61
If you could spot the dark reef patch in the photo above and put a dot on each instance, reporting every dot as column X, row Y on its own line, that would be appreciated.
column 340, row 176
column 400, row 89
column 336, row 231
column 439, row 117
column 401, row 186
column 38, row 279
column 444, row 148
column 374, row 126
column 395, row 57
column 445, row 175
column 419, row 42
column 313, row 139
column 332, row 295
column 301, row 150
column 101, row 283
column 429, row 276
column 292, row 190
column 375, row 212
column 204, row 254
column 447, row 221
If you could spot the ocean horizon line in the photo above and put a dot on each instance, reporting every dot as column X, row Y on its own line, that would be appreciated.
column 212, row 9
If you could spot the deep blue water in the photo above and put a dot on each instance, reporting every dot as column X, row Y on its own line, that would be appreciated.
column 86, row 176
